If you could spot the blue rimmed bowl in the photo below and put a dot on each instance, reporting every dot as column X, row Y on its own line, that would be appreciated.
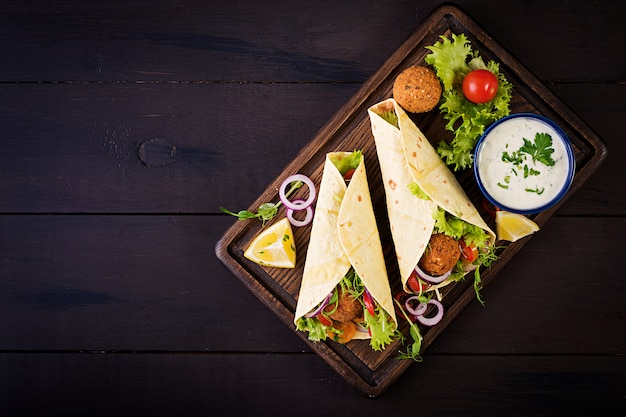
column 524, row 163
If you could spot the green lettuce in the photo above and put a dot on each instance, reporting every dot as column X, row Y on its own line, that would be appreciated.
column 382, row 328
column 417, row 191
column 390, row 117
column 457, row 228
column 452, row 59
column 346, row 163
column 312, row 325
column 472, row 235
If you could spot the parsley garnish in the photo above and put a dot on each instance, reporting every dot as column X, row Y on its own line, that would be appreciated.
column 513, row 158
column 537, row 190
column 540, row 150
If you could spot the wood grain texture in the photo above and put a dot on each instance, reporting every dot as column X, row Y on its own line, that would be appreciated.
column 192, row 383
column 213, row 148
column 290, row 41
column 112, row 301
column 348, row 129
column 92, row 283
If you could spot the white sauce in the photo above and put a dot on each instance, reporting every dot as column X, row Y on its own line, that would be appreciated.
column 505, row 181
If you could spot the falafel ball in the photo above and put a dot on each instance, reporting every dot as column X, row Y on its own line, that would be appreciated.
column 347, row 307
column 417, row 89
column 442, row 254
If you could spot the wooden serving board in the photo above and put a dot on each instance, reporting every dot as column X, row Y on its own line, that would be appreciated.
column 369, row 371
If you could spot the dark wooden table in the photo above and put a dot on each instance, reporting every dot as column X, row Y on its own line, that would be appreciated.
column 126, row 126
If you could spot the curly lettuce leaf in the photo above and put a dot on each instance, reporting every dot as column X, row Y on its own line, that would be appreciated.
column 449, row 59
column 452, row 59
column 417, row 191
column 390, row 117
column 316, row 330
column 381, row 326
column 457, row 229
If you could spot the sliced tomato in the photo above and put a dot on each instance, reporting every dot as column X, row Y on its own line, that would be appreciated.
column 469, row 253
column 400, row 297
column 415, row 284
column 369, row 302
column 324, row 320
column 348, row 175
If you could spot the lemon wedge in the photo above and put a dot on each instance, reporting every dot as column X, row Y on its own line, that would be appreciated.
column 274, row 246
column 513, row 226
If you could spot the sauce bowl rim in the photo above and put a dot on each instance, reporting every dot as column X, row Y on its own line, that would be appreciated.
column 570, row 158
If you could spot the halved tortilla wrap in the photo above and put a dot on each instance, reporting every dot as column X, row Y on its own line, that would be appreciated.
column 344, row 234
column 406, row 158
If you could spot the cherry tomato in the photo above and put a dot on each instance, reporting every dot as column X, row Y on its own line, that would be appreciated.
column 415, row 284
column 480, row 86
column 469, row 253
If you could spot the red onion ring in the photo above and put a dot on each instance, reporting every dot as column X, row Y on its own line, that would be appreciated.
column 431, row 321
column 293, row 178
column 361, row 328
column 320, row 308
column 306, row 220
column 429, row 278
column 419, row 310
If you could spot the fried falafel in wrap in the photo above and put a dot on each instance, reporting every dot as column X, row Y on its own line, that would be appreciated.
column 345, row 292
column 438, row 234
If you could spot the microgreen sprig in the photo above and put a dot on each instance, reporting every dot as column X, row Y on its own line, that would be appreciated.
column 266, row 211
column 412, row 352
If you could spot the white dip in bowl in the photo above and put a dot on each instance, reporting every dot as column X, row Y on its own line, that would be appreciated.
column 524, row 163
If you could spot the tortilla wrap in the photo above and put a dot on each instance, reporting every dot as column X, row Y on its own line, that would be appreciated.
column 343, row 234
column 406, row 157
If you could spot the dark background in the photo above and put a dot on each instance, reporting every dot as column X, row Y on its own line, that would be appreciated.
column 112, row 301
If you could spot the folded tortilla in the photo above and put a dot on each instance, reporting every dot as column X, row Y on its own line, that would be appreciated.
column 343, row 234
column 406, row 157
